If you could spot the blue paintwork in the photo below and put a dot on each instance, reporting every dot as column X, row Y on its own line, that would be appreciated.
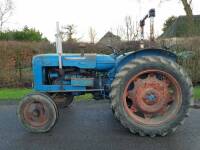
column 123, row 60
column 53, row 75
column 58, row 88
column 82, row 82
column 100, row 62
column 151, row 97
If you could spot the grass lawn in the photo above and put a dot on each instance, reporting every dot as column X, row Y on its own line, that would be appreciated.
column 17, row 94
column 13, row 94
column 197, row 93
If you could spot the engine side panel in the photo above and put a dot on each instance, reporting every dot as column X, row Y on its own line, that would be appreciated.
column 47, row 77
column 88, row 61
column 74, row 60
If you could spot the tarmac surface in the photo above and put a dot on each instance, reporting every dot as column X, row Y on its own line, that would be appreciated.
column 92, row 126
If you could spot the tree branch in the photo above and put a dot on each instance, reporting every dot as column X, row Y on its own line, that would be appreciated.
column 6, row 9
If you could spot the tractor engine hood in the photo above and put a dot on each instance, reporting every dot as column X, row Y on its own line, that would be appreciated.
column 88, row 61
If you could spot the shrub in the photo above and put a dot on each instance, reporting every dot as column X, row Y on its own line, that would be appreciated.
column 27, row 34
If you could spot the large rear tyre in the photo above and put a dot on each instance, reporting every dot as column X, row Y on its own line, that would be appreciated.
column 151, row 96
column 37, row 113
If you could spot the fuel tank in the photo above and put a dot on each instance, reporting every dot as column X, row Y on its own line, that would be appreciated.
column 87, row 61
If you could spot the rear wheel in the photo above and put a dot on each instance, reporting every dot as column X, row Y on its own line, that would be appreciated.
column 151, row 96
column 37, row 112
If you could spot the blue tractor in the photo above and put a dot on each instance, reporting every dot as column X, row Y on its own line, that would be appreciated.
column 150, row 93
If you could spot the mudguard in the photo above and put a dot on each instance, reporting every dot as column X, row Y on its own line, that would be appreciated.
column 123, row 60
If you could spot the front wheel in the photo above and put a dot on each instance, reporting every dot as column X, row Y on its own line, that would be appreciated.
column 37, row 112
column 151, row 96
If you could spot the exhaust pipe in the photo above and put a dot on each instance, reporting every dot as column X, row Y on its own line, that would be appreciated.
column 59, row 46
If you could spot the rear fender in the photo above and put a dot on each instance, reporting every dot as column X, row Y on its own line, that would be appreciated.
column 123, row 60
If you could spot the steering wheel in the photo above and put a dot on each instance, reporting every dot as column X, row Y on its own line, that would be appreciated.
column 115, row 51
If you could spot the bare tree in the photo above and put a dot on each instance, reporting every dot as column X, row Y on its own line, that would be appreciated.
column 68, row 33
column 187, row 7
column 120, row 31
column 92, row 35
column 187, row 4
column 131, row 29
column 6, row 11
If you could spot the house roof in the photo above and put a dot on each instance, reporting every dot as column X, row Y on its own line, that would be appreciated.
column 110, row 35
column 181, row 28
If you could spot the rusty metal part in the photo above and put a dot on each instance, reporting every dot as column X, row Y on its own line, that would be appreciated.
column 155, row 99
column 150, row 94
column 62, row 99
column 36, row 113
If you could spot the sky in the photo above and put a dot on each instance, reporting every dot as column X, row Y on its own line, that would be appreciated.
column 102, row 15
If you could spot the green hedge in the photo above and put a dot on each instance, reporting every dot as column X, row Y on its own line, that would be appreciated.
column 27, row 34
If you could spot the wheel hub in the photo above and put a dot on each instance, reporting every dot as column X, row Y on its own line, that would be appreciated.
column 35, row 114
column 150, row 97
column 150, row 94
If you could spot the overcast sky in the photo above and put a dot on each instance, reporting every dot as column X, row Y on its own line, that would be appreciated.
column 99, row 14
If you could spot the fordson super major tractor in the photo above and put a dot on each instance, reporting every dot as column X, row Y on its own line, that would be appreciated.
column 150, row 93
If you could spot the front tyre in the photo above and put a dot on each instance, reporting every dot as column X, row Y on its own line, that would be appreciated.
column 37, row 112
column 151, row 96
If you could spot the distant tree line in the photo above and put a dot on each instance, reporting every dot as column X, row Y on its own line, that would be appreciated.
column 26, row 34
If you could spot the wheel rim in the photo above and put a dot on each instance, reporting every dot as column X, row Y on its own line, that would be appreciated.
column 36, row 113
column 152, row 97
